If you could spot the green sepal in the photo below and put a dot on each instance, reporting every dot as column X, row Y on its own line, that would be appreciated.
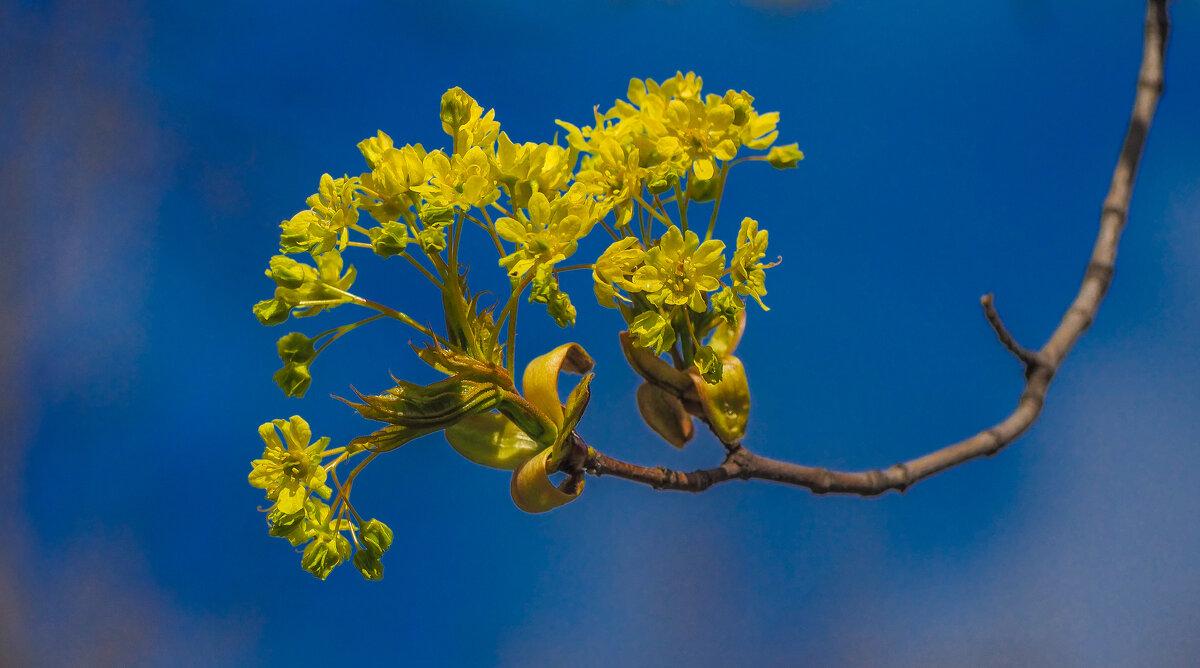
column 661, row 185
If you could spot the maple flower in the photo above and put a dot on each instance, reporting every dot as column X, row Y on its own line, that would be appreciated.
column 680, row 270
column 745, row 269
column 548, row 233
column 289, row 472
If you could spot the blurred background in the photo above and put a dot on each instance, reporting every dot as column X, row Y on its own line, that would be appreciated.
column 148, row 152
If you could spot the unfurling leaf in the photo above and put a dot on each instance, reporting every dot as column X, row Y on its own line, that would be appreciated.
column 540, row 381
column 492, row 440
column 534, row 492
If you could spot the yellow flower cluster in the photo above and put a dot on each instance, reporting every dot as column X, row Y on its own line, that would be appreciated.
column 645, row 162
column 662, row 134
column 680, row 270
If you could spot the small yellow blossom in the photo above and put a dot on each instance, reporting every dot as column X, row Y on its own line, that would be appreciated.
column 462, row 181
column 680, row 270
column 548, row 233
column 289, row 472
column 745, row 269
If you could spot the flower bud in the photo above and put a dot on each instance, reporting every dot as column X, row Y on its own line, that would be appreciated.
column 293, row 379
column 703, row 191
column 288, row 273
column 324, row 554
column 372, row 148
column 457, row 109
column 785, row 157
column 369, row 565
column 375, row 537
column 389, row 239
column 437, row 215
column 290, row 527
column 652, row 331
column 708, row 364
column 295, row 348
column 272, row 311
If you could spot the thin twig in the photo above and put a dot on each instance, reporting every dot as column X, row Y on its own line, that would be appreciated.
column 1027, row 357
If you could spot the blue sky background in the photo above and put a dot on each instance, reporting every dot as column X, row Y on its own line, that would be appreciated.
column 150, row 150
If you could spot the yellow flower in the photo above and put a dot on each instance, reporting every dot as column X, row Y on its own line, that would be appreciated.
column 462, row 181
column 702, row 132
column 680, row 270
column 614, row 267
column 745, row 268
column 548, row 233
column 612, row 175
column 395, row 171
column 524, row 168
column 463, row 119
column 289, row 473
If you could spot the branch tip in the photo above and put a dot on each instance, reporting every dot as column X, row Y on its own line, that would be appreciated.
column 1028, row 357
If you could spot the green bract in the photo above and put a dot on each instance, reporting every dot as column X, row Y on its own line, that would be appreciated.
column 649, row 173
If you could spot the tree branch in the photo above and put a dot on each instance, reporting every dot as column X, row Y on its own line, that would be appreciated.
column 1040, row 366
